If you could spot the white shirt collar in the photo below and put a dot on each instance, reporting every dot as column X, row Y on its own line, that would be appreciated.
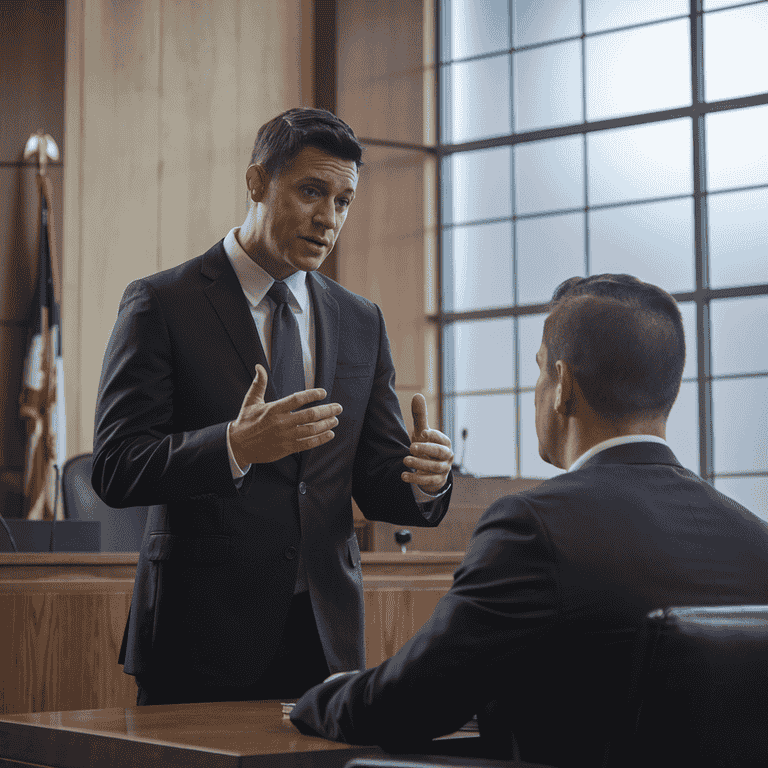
column 622, row 440
column 256, row 282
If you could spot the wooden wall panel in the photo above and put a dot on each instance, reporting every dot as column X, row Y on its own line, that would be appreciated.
column 32, row 79
column 388, row 242
column 381, row 68
column 163, row 104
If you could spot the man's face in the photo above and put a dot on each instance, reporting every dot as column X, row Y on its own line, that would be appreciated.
column 304, row 208
column 544, row 403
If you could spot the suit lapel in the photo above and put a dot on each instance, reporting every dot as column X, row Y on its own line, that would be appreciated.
column 229, row 302
column 326, row 332
column 326, row 311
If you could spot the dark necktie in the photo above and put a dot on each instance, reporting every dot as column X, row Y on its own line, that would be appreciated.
column 287, row 360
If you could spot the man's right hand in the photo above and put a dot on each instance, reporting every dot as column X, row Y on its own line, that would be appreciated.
column 264, row 432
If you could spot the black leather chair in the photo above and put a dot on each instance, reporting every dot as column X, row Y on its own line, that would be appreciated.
column 699, row 694
column 121, row 529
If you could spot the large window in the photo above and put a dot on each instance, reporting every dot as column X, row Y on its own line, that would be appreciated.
column 584, row 136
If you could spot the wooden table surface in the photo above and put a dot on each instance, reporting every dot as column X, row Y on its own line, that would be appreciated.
column 215, row 735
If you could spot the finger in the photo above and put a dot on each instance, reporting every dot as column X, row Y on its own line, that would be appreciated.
column 435, row 436
column 255, row 393
column 304, row 444
column 311, row 415
column 432, row 451
column 317, row 427
column 427, row 466
column 419, row 413
column 299, row 399
column 434, row 482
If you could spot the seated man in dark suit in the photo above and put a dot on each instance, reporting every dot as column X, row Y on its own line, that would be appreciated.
column 535, row 634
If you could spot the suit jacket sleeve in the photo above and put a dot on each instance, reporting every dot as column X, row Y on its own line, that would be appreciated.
column 142, row 452
column 503, row 598
column 377, row 487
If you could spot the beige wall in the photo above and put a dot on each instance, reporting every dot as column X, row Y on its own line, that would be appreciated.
column 385, row 91
column 163, row 101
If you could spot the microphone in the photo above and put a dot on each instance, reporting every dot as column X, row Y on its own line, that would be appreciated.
column 458, row 469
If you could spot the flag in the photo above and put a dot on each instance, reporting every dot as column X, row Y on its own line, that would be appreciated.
column 42, row 396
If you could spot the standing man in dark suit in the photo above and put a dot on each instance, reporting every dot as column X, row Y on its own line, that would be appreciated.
column 249, row 582
column 535, row 635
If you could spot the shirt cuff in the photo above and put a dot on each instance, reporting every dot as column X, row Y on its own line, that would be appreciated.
column 237, row 473
column 423, row 497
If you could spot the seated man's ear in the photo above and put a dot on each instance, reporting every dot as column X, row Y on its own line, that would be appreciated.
column 257, row 179
column 564, row 391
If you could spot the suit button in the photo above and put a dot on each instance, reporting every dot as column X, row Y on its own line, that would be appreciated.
column 302, row 488
column 290, row 553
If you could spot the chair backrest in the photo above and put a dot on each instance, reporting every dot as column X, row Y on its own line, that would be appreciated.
column 121, row 529
column 699, row 695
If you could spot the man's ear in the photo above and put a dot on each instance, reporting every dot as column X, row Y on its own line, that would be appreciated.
column 564, row 388
column 257, row 179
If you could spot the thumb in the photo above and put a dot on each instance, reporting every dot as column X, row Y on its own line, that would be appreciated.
column 255, row 393
column 419, row 412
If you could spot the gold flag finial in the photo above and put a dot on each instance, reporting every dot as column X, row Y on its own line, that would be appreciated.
column 44, row 146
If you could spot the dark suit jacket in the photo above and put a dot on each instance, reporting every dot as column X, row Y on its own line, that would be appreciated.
column 218, row 564
column 535, row 634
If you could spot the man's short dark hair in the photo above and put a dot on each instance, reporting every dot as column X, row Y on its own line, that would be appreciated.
column 283, row 137
column 624, row 341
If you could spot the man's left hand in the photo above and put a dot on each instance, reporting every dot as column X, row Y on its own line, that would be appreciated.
column 431, row 454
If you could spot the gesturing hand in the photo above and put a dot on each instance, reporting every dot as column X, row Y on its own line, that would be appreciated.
column 264, row 432
column 431, row 454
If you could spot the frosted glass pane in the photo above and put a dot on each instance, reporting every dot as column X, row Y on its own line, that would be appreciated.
column 548, row 86
column 549, row 175
column 474, row 27
column 735, row 53
column 490, row 447
column 479, row 355
column 740, row 424
column 530, row 329
column 537, row 21
column 640, row 70
column 609, row 14
column 737, row 150
column 477, row 266
column 549, row 250
column 640, row 162
column 476, row 185
column 738, row 238
column 653, row 242
column 688, row 312
column 739, row 330
column 531, row 464
column 476, row 98
column 750, row 492
column 683, row 426
column 710, row 5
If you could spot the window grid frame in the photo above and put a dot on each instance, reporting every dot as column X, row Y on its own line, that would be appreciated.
column 702, row 296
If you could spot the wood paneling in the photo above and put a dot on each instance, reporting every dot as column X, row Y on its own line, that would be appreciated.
column 64, row 615
column 32, row 80
column 388, row 244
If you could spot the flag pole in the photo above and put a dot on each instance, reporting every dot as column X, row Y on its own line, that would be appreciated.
column 41, row 401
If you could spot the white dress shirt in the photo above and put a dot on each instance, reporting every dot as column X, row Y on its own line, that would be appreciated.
column 610, row 443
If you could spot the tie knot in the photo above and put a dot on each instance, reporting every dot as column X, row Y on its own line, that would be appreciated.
column 279, row 292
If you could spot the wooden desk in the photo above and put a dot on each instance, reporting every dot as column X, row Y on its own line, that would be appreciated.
column 62, row 617
column 225, row 735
